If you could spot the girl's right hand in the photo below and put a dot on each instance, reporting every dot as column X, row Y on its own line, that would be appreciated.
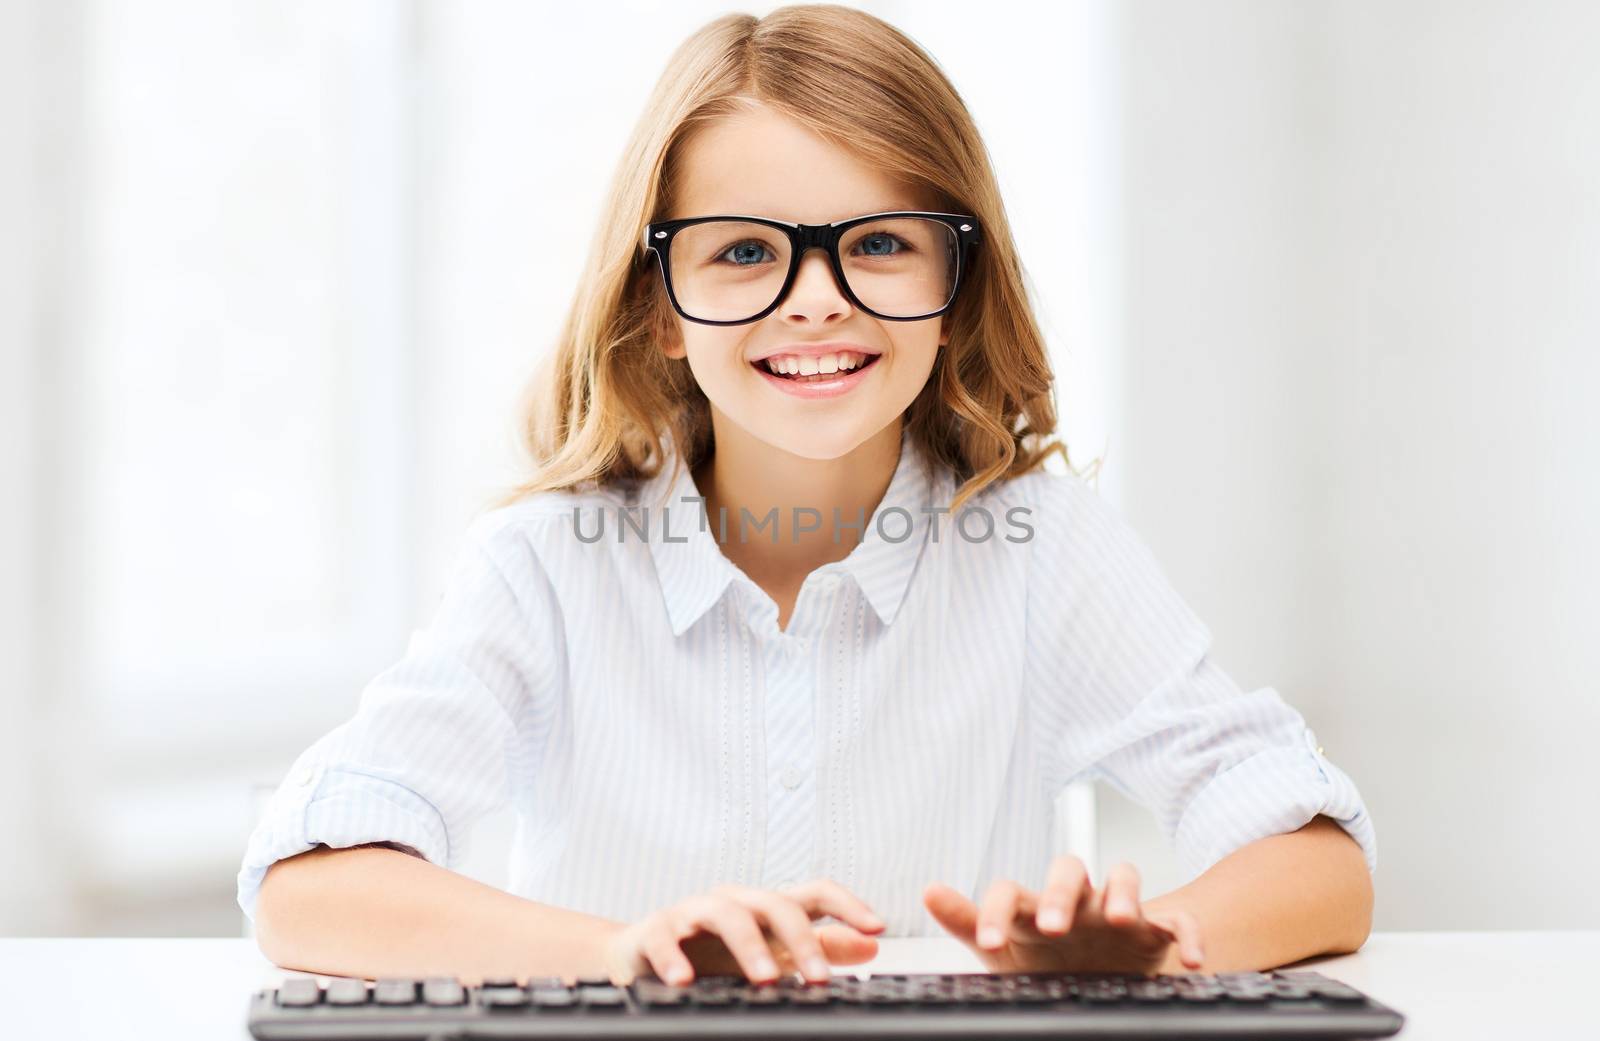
column 741, row 930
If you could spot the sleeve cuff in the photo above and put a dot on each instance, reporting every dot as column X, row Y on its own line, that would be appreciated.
column 1273, row 792
column 332, row 806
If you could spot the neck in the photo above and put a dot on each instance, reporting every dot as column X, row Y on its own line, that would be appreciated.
column 745, row 473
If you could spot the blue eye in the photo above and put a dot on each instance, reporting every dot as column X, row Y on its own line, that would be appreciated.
column 746, row 254
column 880, row 239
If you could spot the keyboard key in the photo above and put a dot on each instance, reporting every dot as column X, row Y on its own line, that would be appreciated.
column 1151, row 992
column 1251, row 996
column 603, row 999
column 347, row 991
column 1032, row 993
column 764, row 997
column 1291, row 990
column 393, row 991
column 555, row 997
column 503, row 997
column 298, row 992
column 654, row 994
column 443, row 990
column 1199, row 995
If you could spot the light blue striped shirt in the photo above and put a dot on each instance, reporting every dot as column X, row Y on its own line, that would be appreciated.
column 634, row 699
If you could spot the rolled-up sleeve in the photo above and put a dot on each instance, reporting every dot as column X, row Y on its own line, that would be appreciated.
column 438, row 738
column 1127, row 693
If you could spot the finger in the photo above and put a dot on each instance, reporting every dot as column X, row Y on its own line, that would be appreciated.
column 792, row 926
column 1122, row 895
column 825, row 896
column 1186, row 931
column 736, row 925
column 996, row 913
column 842, row 945
column 953, row 911
column 661, row 949
column 1063, row 888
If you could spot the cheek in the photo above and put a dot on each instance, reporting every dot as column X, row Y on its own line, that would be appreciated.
column 915, row 351
column 714, row 355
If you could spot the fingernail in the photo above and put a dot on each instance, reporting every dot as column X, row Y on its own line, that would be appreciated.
column 988, row 936
column 678, row 977
column 873, row 921
column 817, row 968
column 764, row 967
column 1121, row 907
column 1052, row 918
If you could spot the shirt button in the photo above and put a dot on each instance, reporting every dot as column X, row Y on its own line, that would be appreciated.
column 791, row 777
column 305, row 777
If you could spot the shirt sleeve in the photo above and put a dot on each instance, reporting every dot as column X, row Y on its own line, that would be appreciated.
column 1129, row 694
column 434, row 737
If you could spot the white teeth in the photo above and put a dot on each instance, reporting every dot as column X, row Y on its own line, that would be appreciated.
column 809, row 365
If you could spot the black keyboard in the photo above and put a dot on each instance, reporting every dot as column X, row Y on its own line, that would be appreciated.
column 955, row 1005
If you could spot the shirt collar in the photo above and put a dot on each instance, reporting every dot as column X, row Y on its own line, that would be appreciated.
column 694, row 573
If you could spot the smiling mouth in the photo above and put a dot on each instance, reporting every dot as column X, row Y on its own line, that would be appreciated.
column 819, row 377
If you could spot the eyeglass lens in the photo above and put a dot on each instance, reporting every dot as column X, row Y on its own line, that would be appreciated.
column 728, row 271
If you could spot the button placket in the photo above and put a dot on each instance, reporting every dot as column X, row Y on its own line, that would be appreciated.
column 790, row 829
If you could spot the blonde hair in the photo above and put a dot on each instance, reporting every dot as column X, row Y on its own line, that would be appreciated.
column 597, row 406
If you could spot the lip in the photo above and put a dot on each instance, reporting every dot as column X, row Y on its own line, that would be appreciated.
column 812, row 350
column 844, row 383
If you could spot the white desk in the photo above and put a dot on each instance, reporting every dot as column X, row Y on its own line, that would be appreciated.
column 1454, row 986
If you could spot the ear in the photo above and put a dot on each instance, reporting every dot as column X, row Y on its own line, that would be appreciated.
column 665, row 330
column 670, row 338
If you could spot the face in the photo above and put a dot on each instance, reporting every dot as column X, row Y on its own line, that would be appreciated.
column 764, row 164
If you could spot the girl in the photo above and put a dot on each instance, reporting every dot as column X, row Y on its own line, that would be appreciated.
column 791, row 623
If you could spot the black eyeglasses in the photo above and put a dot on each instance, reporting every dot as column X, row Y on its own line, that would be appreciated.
column 903, row 265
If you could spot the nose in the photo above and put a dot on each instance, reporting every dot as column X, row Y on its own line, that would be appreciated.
column 816, row 294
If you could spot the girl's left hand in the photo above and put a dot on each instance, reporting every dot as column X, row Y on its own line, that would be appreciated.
column 1070, row 927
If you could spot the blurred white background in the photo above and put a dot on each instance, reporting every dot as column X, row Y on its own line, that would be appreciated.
column 1320, row 281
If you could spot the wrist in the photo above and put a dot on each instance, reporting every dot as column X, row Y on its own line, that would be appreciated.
column 596, row 948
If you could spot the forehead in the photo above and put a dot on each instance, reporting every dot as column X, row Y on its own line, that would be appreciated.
column 764, row 164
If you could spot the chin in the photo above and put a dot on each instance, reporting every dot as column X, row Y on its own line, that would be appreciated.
column 817, row 437
column 815, row 444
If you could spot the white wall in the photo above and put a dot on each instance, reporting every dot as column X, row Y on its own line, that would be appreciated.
column 1363, row 337
column 27, row 897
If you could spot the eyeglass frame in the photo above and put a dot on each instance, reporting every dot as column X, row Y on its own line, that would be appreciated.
column 658, row 236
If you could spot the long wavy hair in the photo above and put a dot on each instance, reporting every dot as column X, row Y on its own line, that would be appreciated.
column 598, row 404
